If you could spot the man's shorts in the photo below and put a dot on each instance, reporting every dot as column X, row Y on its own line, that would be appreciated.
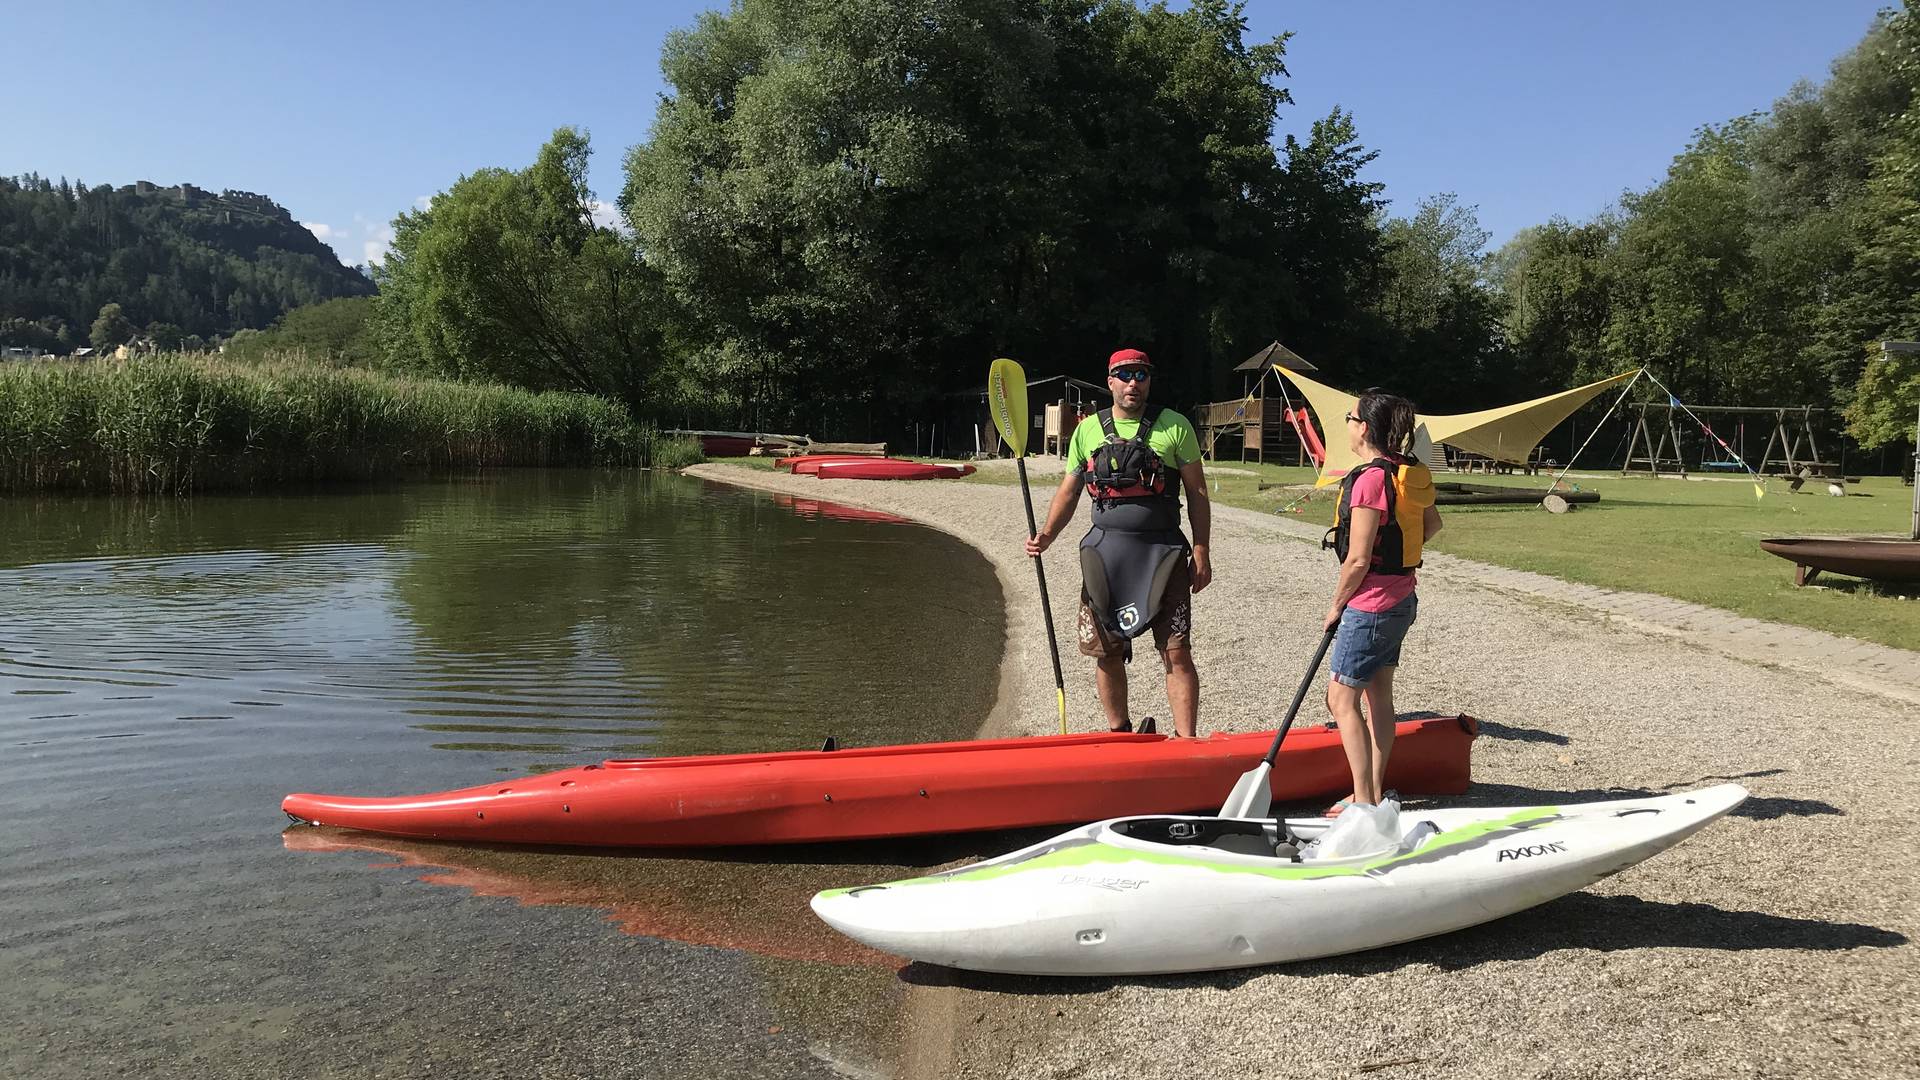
column 1370, row 640
column 1172, row 625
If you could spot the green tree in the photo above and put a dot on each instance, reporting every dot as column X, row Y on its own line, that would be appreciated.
column 1886, row 403
column 507, row 277
column 1555, row 284
column 1331, row 258
column 1432, row 257
column 111, row 328
column 337, row 331
column 1685, row 264
column 1886, row 278
column 165, row 336
column 857, row 201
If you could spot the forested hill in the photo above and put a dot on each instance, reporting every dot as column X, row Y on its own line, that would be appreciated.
column 179, row 257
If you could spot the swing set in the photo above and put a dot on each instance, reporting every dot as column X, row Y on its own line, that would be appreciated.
column 1654, row 442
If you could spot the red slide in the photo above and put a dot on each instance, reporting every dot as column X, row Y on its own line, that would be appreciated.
column 1303, row 425
column 854, row 794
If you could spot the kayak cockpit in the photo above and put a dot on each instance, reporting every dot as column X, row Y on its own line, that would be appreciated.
column 1250, row 840
column 1243, row 836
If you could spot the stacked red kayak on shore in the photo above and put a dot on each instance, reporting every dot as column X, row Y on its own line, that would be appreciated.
column 856, row 467
column 886, row 791
column 805, row 464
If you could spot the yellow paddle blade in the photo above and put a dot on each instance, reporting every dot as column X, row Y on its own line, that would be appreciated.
column 1007, row 400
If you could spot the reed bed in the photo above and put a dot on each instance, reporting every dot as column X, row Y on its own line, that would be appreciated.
column 174, row 424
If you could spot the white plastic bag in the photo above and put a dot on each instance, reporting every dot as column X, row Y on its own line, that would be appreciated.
column 1359, row 830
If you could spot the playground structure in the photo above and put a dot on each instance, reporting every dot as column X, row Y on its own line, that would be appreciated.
column 1655, row 441
column 1262, row 429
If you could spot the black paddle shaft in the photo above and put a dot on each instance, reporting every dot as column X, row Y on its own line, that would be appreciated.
column 1039, row 568
column 1300, row 695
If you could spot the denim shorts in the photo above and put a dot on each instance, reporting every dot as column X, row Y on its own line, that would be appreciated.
column 1370, row 640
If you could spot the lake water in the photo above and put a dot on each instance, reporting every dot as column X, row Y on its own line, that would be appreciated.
column 170, row 669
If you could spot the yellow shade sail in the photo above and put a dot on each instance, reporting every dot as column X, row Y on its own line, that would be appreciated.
column 1508, row 433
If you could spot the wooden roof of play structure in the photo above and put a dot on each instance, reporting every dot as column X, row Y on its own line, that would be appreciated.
column 1278, row 356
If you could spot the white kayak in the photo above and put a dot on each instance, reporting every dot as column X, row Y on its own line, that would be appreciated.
column 1144, row 895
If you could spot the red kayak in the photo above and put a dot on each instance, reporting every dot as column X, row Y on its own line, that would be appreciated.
column 863, row 793
column 888, row 469
column 805, row 463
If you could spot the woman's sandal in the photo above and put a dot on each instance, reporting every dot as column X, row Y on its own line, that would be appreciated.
column 1337, row 809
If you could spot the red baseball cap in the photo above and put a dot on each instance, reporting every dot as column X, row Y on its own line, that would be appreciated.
column 1128, row 358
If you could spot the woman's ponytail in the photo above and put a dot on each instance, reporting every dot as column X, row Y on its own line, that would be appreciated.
column 1389, row 421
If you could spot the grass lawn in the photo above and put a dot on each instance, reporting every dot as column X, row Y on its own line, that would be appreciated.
column 1695, row 540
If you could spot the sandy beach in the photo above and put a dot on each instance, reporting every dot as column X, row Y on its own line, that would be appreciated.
column 1777, row 943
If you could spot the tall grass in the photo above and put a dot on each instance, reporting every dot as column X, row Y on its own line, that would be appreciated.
column 172, row 424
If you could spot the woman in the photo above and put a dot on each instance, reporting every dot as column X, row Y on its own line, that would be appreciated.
column 1386, row 514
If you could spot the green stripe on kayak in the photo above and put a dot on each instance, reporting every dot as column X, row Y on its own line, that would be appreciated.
column 1093, row 854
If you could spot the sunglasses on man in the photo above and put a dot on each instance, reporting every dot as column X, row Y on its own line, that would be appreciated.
column 1128, row 375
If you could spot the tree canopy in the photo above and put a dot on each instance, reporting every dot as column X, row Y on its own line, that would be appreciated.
column 506, row 276
column 860, row 202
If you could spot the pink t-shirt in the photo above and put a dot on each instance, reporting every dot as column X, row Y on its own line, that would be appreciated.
column 1378, row 592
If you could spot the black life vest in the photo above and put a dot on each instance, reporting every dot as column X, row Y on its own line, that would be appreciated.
column 1132, row 487
column 1397, row 544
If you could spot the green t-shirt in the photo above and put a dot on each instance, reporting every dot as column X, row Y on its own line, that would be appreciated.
column 1172, row 438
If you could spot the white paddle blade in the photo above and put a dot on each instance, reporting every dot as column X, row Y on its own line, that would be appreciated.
column 1252, row 794
column 1007, row 400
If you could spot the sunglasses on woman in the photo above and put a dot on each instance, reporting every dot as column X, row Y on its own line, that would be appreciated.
column 1131, row 374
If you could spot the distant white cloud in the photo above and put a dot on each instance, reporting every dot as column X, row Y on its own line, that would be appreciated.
column 373, row 249
column 325, row 232
column 605, row 214
column 424, row 202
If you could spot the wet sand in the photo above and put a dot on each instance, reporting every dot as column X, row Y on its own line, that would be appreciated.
column 1777, row 943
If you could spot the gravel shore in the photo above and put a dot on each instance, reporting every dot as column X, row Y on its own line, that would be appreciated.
column 1778, row 943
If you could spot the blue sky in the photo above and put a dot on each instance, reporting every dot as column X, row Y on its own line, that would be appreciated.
column 348, row 113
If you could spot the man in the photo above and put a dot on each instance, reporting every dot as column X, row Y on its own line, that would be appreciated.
column 1138, row 572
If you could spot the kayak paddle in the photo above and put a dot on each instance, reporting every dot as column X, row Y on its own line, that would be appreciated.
column 1007, row 399
column 1252, row 795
